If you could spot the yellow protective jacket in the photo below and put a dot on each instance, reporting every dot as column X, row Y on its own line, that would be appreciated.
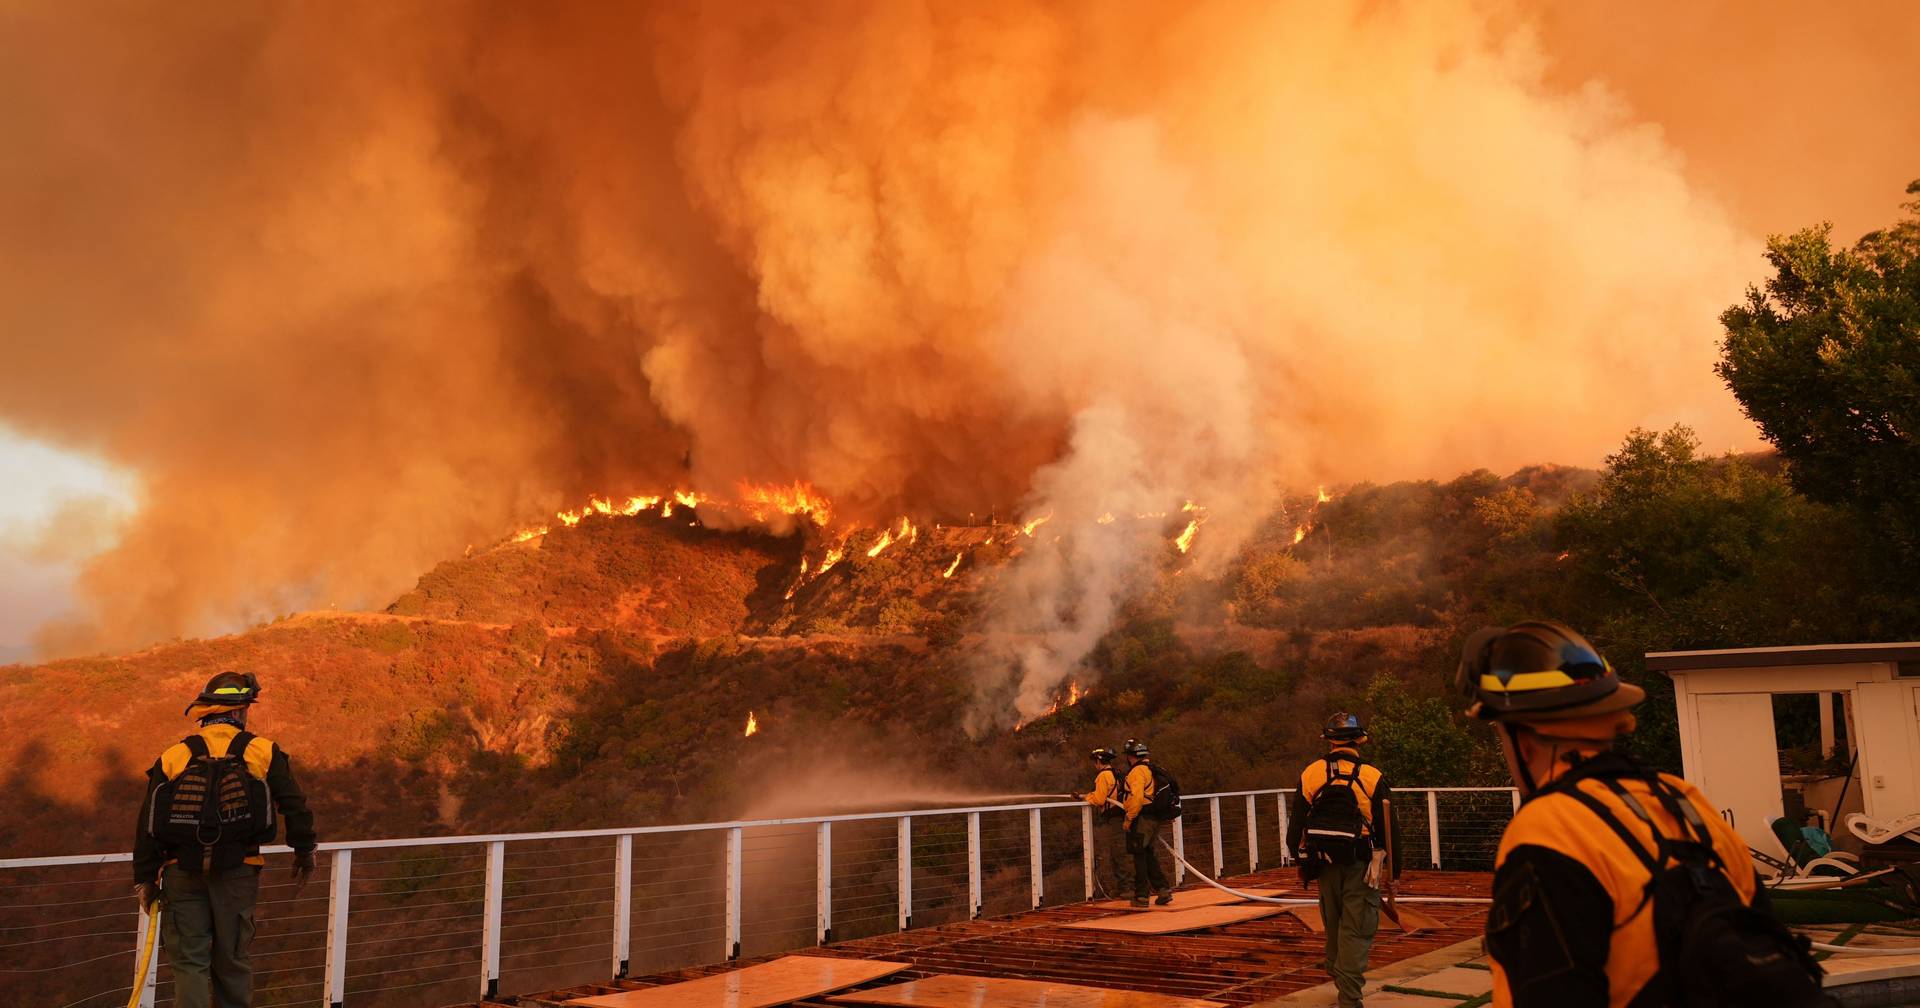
column 1373, row 791
column 264, row 760
column 1569, row 926
column 1103, row 795
column 1137, row 792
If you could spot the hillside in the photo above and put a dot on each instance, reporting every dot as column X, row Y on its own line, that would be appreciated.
column 602, row 674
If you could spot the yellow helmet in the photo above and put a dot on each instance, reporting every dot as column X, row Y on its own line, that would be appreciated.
column 1539, row 671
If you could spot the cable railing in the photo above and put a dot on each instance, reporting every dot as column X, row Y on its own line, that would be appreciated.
column 429, row 921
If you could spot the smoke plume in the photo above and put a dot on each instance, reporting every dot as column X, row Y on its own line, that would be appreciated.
column 352, row 285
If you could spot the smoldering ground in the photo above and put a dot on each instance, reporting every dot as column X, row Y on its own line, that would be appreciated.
column 350, row 286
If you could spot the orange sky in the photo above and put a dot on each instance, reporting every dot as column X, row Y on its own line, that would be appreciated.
column 1791, row 112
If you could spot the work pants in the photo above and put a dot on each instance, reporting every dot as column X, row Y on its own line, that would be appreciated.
column 1147, row 876
column 1112, row 858
column 207, row 926
column 1351, row 911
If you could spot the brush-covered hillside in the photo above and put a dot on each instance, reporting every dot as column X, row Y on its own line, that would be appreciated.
column 603, row 674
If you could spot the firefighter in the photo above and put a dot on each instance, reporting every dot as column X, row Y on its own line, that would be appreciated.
column 1141, row 822
column 1604, row 846
column 1111, row 858
column 212, row 801
column 1333, row 832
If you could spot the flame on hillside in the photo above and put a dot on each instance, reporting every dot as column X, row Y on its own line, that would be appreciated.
column 1185, row 539
column 954, row 566
column 1073, row 696
column 1036, row 523
column 753, row 725
column 886, row 540
column 757, row 501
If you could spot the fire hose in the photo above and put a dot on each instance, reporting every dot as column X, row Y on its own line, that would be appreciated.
column 146, row 958
column 1286, row 901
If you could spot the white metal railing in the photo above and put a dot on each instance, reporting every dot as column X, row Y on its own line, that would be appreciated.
column 531, row 904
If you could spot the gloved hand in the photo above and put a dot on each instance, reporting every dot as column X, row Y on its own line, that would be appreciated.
column 302, row 869
column 148, row 893
column 1374, row 868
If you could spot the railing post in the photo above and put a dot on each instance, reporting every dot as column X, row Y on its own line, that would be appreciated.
column 973, row 866
column 1286, row 849
column 490, row 930
column 823, row 891
column 1433, row 826
column 153, row 954
column 1253, row 837
column 1213, row 823
column 333, row 983
column 622, row 903
column 904, row 842
column 1036, row 882
column 1179, row 850
column 733, row 893
column 1086, row 846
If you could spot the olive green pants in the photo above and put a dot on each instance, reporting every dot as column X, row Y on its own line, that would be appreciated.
column 206, row 927
column 1113, row 862
column 1351, row 911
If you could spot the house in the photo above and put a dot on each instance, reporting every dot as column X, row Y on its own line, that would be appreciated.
column 1725, row 702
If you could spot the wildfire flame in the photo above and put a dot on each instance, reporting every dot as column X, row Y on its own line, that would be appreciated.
column 954, row 566
column 886, row 540
column 1074, row 695
column 533, row 533
column 753, row 725
column 1036, row 523
column 1300, row 532
column 833, row 557
column 1185, row 539
column 1105, row 519
column 1322, row 496
column 797, row 499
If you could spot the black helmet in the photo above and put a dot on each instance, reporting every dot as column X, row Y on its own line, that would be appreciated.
column 228, row 689
column 1103, row 754
column 1539, row 671
column 1344, row 727
column 1135, row 748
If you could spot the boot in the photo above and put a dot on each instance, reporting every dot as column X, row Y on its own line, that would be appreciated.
column 1166, row 897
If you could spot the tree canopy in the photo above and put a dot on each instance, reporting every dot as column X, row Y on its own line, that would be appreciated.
column 1826, row 359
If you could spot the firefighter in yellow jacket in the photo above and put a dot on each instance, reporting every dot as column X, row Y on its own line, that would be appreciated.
column 1112, row 861
column 212, row 801
column 1591, row 859
column 1336, row 831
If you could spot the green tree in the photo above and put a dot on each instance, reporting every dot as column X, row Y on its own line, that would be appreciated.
column 1826, row 359
column 1420, row 739
column 1675, row 551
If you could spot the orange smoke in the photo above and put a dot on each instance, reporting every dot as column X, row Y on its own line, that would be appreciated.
column 422, row 282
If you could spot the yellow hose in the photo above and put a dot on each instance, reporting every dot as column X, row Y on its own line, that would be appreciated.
column 146, row 959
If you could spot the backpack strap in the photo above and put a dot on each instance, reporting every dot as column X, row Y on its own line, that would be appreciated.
column 237, row 747
column 1619, row 828
column 196, row 744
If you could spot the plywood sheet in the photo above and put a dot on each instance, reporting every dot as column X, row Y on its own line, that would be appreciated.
column 1179, row 920
column 1452, row 980
column 1410, row 919
column 784, row 980
column 1187, row 899
column 972, row 992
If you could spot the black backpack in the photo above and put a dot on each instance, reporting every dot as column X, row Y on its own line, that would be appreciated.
column 213, row 803
column 1335, row 826
column 1715, row 951
column 1165, row 805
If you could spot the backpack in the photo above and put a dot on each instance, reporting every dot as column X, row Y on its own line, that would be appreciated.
column 1715, row 950
column 1335, row 826
column 213, row 803
column 1165, row 805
